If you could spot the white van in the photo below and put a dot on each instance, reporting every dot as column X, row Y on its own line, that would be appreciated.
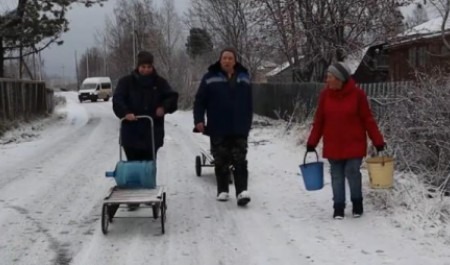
column 94, row 88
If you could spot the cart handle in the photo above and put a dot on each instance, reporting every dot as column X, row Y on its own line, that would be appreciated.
column 152, row 132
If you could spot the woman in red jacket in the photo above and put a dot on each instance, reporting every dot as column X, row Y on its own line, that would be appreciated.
column 344, row 119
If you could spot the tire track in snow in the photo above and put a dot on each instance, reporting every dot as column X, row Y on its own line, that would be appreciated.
column 128, row 240
column 57, row 194
column 49, row 153
column 227, row 228
column 62, row 256
column 60, row 250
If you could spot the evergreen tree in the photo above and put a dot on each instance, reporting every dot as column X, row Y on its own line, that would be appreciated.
column 34, row 22
column 198, row 43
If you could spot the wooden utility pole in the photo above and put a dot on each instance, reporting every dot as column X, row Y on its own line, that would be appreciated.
column 20, row 60
column 87, row 63
column 134, row 45
column 77, row 73
column 40, row 65
column 2, row 58
column 105, row 72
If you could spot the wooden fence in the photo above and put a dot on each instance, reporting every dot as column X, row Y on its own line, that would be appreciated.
column 386, row 89
column 382, row 95
column 23, row 99
column 277, row 100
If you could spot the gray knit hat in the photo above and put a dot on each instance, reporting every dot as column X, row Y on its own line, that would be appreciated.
column 340, row 71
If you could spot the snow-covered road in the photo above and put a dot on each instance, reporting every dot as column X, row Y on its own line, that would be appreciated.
column 51, row 190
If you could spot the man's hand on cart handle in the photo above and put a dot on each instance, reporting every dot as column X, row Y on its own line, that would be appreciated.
column 160, row 112
column 200, row 127
column 130, row 117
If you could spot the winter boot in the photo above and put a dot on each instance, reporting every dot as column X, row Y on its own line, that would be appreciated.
column 223, row 196
column 358, row 209
column 339, row 211
column 243, row 198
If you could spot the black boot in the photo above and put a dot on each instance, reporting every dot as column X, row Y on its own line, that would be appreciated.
column 339, row 211
column 358, row 208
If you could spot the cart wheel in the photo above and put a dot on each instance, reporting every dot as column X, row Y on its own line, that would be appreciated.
column 198, row 166
column 163, row 207
column 105, row 219
column 155, row 211
column 112, row 209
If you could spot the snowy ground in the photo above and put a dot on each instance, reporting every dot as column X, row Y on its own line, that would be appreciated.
column 52, row 186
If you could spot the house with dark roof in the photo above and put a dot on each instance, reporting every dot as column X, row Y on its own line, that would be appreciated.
column 367, row 65
column 370, row 64
column 420, row 49
column 283, row 73
column 397, row 59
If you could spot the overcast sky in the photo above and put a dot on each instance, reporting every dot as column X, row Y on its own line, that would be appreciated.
column 84, row 24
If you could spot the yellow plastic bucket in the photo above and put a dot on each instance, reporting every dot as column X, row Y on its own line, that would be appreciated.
column 381, row 172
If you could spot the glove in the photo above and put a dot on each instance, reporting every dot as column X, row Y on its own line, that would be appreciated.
column 380, row 148
column 310, row 148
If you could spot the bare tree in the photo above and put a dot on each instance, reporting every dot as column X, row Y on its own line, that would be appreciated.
column 186, row 83
column 443, row 6
column 322, row 31
column 92, row 63
column 281, row 27
column 32, row 27
column 169, row 40
column 138, row 25
column 232, row 23
column 418, row 129
column 130, row 29
column 172, row 59
column 32, row 65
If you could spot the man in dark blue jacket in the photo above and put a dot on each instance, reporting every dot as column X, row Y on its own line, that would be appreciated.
column 225, row 95
column 143, row 92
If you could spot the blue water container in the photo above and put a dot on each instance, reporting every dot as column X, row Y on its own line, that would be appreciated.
column 134, row 174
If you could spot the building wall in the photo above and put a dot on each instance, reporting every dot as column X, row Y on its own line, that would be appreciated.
column 421, row 56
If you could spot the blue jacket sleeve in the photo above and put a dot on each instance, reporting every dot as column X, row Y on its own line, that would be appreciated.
column 120, row 106
column 200, row 102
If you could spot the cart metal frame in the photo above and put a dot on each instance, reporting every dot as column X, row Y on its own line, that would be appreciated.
column 153, row 198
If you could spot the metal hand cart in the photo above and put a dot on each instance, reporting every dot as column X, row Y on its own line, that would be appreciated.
column 205, row 159
column 152, row 198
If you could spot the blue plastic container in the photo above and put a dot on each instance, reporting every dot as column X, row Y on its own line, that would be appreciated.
column 134, row 174
column 312, row 174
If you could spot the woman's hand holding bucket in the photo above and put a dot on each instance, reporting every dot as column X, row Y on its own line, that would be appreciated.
column 312, row 172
